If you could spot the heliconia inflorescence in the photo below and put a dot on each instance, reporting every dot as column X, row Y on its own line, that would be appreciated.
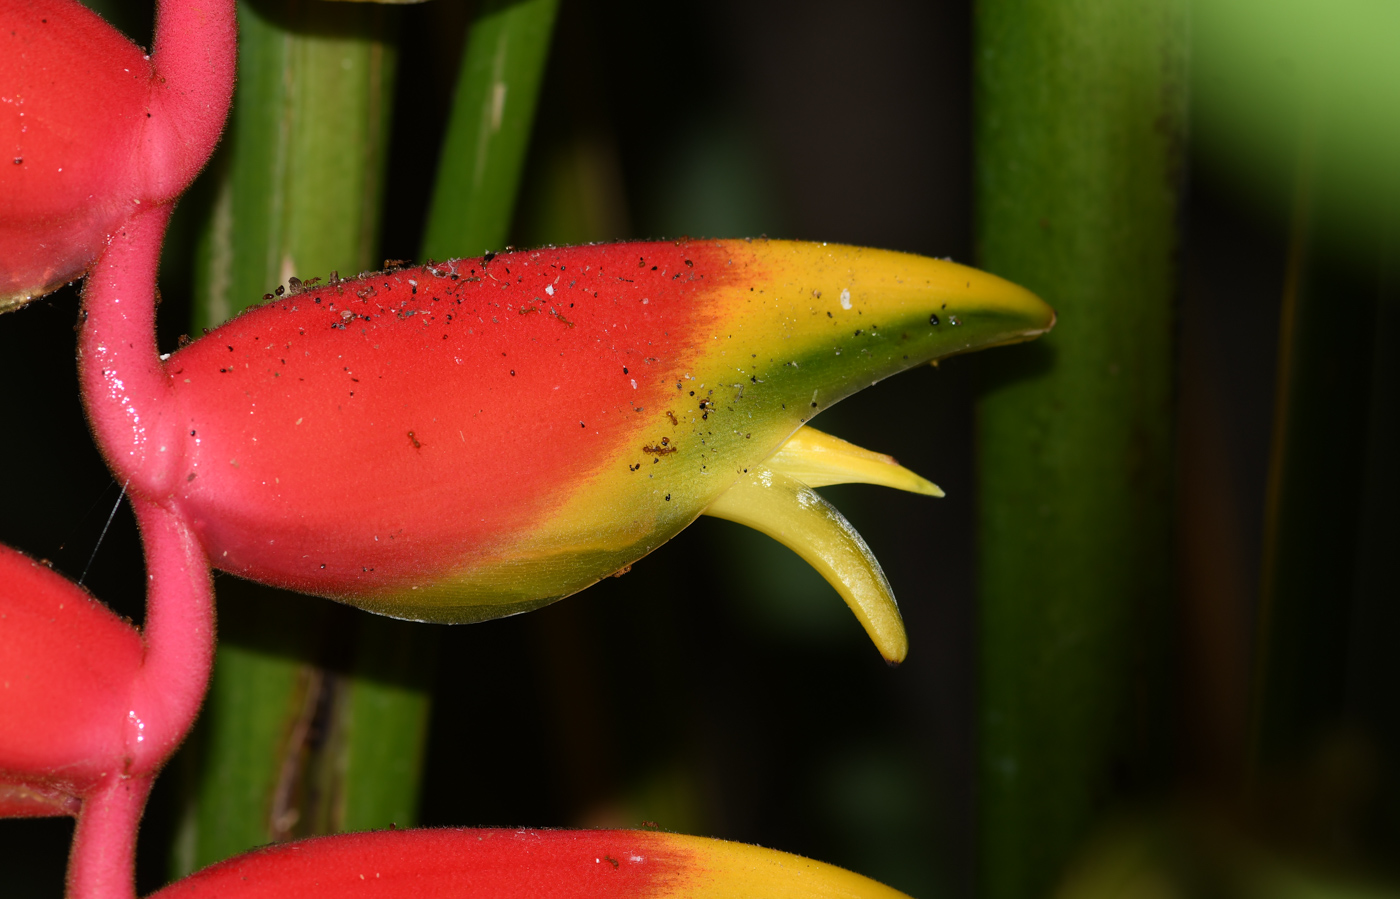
column 453, row 442
column 480, row 437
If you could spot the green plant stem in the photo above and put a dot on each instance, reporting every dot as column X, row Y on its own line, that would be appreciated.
column 488, row 134
column 303, row 163
column 1079, row 130
column 309, row 701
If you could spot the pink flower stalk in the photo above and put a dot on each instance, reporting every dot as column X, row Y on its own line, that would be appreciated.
column 92, row 130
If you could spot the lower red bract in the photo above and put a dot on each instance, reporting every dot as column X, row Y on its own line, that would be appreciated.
column 404, row 420
column 67, row 664
column 410, row 864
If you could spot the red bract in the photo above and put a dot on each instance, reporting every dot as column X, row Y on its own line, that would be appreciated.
column 67, row 666
column 92, row 129
column 83, row 694
column 522, row 864
column 477, row 438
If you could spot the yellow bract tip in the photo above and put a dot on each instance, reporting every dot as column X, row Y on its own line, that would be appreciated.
column 724, row 870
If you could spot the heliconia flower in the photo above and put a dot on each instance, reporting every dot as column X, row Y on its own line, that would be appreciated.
column 92, row 129
column 481, row 437
column 522, row 864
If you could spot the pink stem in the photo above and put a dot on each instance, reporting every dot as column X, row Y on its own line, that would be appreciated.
column 165, row 698
column 194, row 60
column 127, row 396
column 179, row 638
column 102, row 862
column 123, row 381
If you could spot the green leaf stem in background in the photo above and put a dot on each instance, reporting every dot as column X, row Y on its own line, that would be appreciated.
column 301, row 171
column 1080, row 116
column 300, row 714
column 1321, row 400
column 1326, row 678
column 1257, row 59
column 488, row 135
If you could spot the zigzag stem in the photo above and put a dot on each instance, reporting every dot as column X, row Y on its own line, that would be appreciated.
column 124, row 385
column 178, row 635
column 125, row 392
column 102, row 862
column 165, row 698
column 193, row 59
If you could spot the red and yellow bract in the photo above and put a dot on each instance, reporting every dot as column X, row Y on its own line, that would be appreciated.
column 522, row 864
column 480, row 437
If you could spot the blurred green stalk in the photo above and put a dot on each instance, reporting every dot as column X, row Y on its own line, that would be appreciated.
column 483, row 154
column 1317, row 471
column 301, row 718
column 1080, row 117
column 303, row 164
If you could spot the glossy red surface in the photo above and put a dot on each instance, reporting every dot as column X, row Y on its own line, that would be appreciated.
column 416, row 864
column 67, row 667
column 73, row 101
column 92, row 129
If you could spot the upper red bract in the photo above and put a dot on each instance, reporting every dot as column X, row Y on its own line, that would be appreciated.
column 393, row 420
column 74, row 99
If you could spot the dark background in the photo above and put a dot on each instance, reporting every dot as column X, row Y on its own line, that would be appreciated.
column 721, row 688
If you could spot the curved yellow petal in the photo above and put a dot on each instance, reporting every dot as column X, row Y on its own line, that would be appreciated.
column 818, row 459
column 793, row 514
